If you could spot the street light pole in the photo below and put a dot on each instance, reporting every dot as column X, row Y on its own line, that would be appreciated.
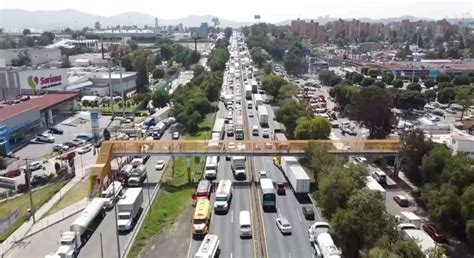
column 110, row 88
column 27, row 181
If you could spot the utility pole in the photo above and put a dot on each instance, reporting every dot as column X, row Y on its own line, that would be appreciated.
column 27, row 181
column 116, row 222
column 110, row 88
column 122, row 88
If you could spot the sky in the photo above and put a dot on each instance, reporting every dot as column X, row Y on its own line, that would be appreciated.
column 270, row 10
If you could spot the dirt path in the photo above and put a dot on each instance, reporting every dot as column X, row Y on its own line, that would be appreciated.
column 174, row 241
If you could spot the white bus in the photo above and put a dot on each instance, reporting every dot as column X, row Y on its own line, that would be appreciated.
column 373, row 185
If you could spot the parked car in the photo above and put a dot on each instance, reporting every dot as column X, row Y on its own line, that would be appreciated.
column 262, row 174
column 60, row 147
column 401, row 200
column 160, row 165
column 84, row 150
column 175, row 136
column 308, row 212
column 78, row 142
column 55, row 130
column 434, row 232
column 451, row 111
column 45, row 137
column 283, row 225
column 265, row 133
column 13, row 173
column 280, row 188
column 35, row 165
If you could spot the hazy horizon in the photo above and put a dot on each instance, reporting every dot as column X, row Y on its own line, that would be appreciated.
column 244, row 10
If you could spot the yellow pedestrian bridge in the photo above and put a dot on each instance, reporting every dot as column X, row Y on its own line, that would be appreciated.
column 115, row 148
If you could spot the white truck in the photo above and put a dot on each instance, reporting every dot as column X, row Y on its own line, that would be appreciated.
column 254, row 86
column 238, row 167
column 262, row 115
column 257, row 100
column 210, row 171
column 424, row 241
column 373, row 185
column 129, row 207
column 248, row 91
column 81, row 229
column 113, row 191
column 411, row 218
column 322, row 242
column 296, row 175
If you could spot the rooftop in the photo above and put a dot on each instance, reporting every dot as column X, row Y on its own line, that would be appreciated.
column 41, row 102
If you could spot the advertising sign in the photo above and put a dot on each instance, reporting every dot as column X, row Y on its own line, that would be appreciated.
column 42, row 79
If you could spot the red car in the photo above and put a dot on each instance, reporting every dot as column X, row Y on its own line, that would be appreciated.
column 434, row 233
column 280, row 188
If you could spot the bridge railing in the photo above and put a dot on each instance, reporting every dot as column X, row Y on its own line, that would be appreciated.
column 249, row 147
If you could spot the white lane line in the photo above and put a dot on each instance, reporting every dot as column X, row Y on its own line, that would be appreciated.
column 297, row 212
column 289, row 255
column 230, row 255
column 189, row 248
column 231, row 216
column 279, row 212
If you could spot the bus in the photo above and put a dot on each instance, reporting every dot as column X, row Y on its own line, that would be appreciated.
column 219, row 127
column 201, row 218
column 268, row 194
column 248, row 91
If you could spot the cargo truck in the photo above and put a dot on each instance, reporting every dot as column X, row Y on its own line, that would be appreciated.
column 424, row 241
column 239, row 132
column 322, row 242
column 238, row 167
column 262, row 115
column 248, row 91
column 373, row 185
column 81, row 229
column 257, row 100
column 296, row 175
column 254, row 87
column 129, row 208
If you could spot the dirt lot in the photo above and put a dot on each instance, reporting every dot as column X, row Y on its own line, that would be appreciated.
column 166, row 244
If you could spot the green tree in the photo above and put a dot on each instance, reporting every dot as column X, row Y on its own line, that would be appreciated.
column 271, row 84
column 443, row 78
column 337, row 186
column 407, row 248
column 378, row 252
column 166, row 52
column 369, row 99
column 387, row 78
column 361, row 223
column 343, row 95
column 319, row 160
column 317, row 128
column 258, row 56
column 160, row 98
column 379, row 84
column 397, row 83
column 446, row 95
column 288, row 114
column 433, row 164
column 197, row 70
column 228, row 32
column 26, row 32
column 286, row 91
column 356, row 77
column 464, row 98
column 414, row 147
column 461, row 80
column 22, row 59
column 443, row 85
column 430, row 83
column 430, row 95
column 373, row 72
column 367, row 81
column 411, row 99
column 294, row 63
column 268, row 68
column 3, row 163
column 414, row 86
column 158, row 73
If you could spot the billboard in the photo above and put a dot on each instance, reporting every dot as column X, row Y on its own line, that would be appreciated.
column 95, row 123
column 42, row 79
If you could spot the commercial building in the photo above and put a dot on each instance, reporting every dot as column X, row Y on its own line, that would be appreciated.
column 309, row 30
column 37, row 55
column 201, row 31
column 14, row 82
column 23, row 121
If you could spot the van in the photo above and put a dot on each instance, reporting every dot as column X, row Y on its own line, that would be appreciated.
column 210, row 171
column 111, row 194
column 209, row 247
column 244, row 224
column 223, row 196
column 380, row 176
column 255, row 130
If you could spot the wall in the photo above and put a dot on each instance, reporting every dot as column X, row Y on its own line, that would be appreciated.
column 37, row 55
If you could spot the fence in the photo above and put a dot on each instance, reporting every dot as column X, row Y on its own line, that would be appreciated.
column 7, row 221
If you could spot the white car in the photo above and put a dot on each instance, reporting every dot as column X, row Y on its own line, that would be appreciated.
column 34, row 166
column 283, row 225
column 451, row 111
column 45, row 137
column 175, row 136
column 250, row 113
column 262, row 173
column 265, row 133
column 84, row 149
column 160, row 165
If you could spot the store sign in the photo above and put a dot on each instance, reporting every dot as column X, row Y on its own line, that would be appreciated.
column 42, row 79
column 95, row 123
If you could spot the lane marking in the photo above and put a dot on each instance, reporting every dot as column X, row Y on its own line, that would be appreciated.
column 297, row 212
column 231, row 255
column 189, row 248
column 289, row 255
column 231, row 216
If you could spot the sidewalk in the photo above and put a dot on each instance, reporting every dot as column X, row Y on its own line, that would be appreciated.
column 27, row 226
